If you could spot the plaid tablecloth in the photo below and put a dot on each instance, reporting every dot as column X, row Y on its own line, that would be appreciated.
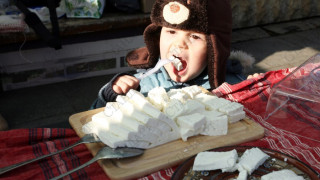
column 23, row 144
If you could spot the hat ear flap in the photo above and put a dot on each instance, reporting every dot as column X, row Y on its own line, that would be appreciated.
column 152, row 40
column 138, row 58
column 217, row 58
column 146, row 57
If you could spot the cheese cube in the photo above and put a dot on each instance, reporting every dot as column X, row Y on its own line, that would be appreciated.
column 231, row 108
column 174, row 109
column 252, row 159
column 178, row 94
column 203, row 98
column 158, row 97
column 216, row 103
column 176, row 63
column 284, row 174
column 193, row 121
column 206, row 161
column 215, row 126
column 236, row 117
column 243, row 174
column 185, row 133
column 192, row 91
column 193, row 106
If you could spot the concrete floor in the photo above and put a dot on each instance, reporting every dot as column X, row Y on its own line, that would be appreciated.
column 274, row 46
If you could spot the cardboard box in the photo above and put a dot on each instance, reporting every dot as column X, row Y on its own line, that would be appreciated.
column 146, row 5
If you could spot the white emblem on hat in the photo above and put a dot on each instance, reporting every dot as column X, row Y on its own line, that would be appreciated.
column 175, row 13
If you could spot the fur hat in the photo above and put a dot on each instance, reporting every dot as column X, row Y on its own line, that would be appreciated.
column 211, row 17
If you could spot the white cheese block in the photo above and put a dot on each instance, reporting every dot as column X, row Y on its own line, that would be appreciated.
column 185, row 133
column 192, row 91
column 193, row 106
column 176, row 63
column 178, row 94
column 206, row 161
column 109, row 138
column 231, row 108
column 193, row 121
column 158, row 97
column 191, row 125
column 203, row 97
column 158, row 127
column 118, row 117
column 144, row 105
column 174, row 109
column 243, row 174
column 213, row 113
column 216, row 103
column 215, row 126
column 252, row 159
column 236, row 117
column 284, row 174
column 119, row 129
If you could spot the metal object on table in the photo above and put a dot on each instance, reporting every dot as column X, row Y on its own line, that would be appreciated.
column 106, row 153
column 88, row 138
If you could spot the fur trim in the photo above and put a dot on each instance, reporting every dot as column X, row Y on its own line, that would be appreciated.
column 245, row 59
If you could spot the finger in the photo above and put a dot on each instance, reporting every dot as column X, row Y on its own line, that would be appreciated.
column 117, row 89
column 249, row 77
column 132, row 82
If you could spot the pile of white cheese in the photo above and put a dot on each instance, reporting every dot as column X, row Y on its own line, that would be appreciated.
column 145, row 122
column 250, row 160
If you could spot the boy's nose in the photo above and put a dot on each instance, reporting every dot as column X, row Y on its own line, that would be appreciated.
column 181, row 43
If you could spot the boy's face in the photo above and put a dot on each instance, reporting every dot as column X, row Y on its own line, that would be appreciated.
column 189, row 47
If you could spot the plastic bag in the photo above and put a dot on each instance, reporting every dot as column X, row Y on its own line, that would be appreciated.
column 84, row 8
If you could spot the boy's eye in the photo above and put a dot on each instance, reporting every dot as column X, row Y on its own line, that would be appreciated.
column 171, row 31
column 194, row 36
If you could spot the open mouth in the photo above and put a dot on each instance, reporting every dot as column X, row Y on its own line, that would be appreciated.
column 184, row 65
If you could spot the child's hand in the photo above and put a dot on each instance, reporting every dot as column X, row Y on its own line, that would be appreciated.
column 255, row 75
column 124, row 83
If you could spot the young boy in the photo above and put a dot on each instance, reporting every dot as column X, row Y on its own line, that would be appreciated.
column 197, row 32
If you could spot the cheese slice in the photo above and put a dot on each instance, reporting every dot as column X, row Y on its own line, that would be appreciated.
column 284, row 174
column 122, row 130
column 107, row 137
column 158, row 97
column 144, row 105
column 252, row 159
column 206, row 161
column 158, row 127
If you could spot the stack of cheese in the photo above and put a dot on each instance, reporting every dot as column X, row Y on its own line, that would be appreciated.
column 229, row 161
column 145, row 122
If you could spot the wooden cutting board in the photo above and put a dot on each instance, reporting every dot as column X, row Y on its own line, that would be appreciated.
column 166, row 155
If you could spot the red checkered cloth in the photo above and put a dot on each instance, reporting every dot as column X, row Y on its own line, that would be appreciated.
column 23, row 144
